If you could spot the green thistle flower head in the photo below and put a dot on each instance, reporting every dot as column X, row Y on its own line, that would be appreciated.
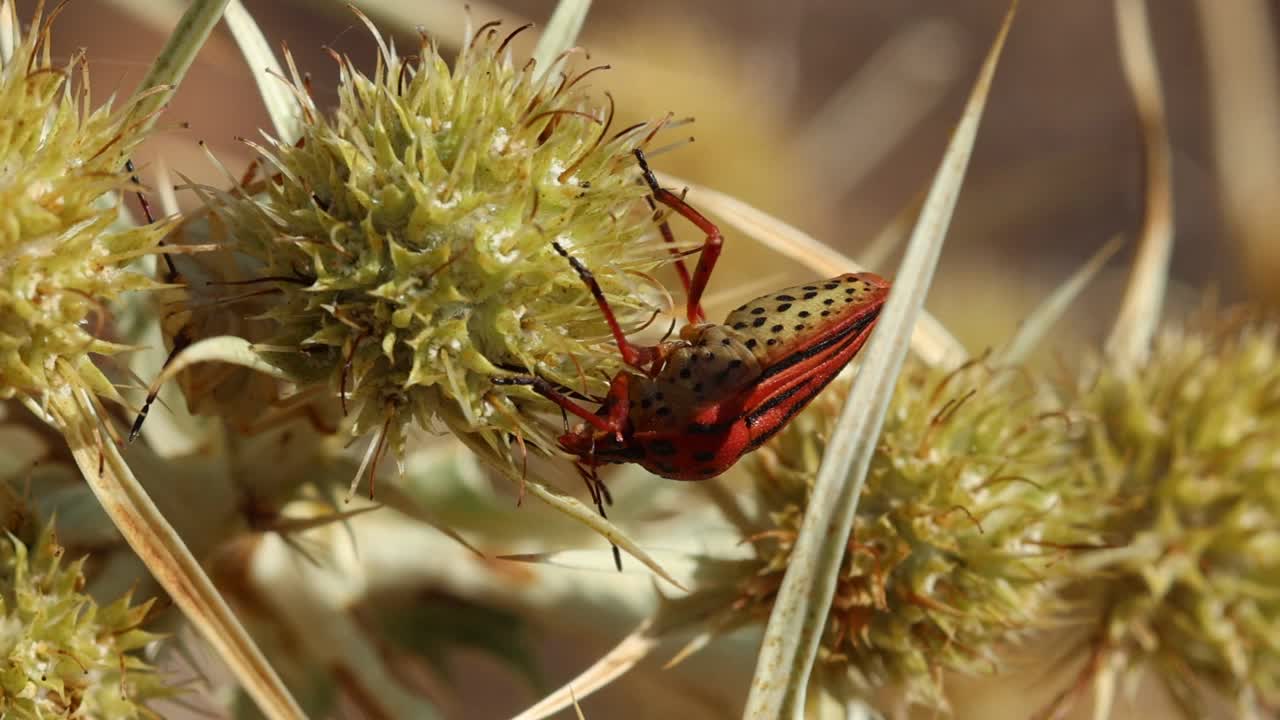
column 1185, row 460
column 952, row 551
column 63, row 247
column 410, row 234
column 64, row 655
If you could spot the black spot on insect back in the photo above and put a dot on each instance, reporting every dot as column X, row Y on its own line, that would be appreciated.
column 662, row 447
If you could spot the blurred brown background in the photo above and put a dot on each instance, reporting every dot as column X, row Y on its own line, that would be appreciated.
column 832, row 116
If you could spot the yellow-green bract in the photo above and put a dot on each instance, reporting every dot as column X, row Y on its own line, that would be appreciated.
column 1184, row 458
column 409, row 235
column 63, row 250
column 65, row 656
column 967, row 507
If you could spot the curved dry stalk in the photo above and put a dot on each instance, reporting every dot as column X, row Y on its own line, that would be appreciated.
column 160, row 548
column 317, row 612
column 1243, row 67
column 280, row 103
column 799, row 616
column 930, row 339
column 1139, row 315
column 636, row 646
column 8, row 31
column 672, row 618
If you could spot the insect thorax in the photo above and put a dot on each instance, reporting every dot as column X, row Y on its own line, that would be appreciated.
column 708, row 366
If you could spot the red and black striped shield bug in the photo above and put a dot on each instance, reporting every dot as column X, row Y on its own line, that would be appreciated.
column 694, row 405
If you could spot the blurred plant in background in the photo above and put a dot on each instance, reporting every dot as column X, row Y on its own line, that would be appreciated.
column 388, row 255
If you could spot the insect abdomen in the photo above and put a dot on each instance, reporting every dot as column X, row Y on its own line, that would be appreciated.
column 778, row 324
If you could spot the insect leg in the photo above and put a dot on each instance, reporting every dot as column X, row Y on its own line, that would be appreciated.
column 710, row 247
column 600, row 496
column 665, row 228
column 544, row 388
column 180, row 343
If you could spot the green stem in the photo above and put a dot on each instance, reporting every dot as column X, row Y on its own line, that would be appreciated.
column 171, row 65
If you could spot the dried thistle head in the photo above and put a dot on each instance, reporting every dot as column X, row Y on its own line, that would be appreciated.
column 953, row 545
column 66, row 656
column 63, row 247
column 410, row 236
column 1183, row 459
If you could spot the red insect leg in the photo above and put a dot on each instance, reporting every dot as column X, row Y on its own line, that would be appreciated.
column 710, row 247
column 665, row 228
column 618, row 401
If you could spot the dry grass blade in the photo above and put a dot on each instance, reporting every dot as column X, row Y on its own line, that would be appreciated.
column 156, row 543
column 672, row 618
column 564, row 503
column 281, row 105
column 1036, row 327
column 803, row 602
column 1139, row 315
column 929, row 340
column 8, row 31
column 614, row 664
column 223, row 348
column 560, row 35
column 1243, row 66
column 175, row 59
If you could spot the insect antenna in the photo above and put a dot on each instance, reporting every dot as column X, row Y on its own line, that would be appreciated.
column 180, row 342
column 346, row 370
column 633, row 355
column 150, row 217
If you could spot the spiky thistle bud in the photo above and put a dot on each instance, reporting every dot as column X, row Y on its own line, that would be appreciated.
column 955, row 536
column 64, row 655
column 1184, row 463
column 63, row 248
column 410, row 236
